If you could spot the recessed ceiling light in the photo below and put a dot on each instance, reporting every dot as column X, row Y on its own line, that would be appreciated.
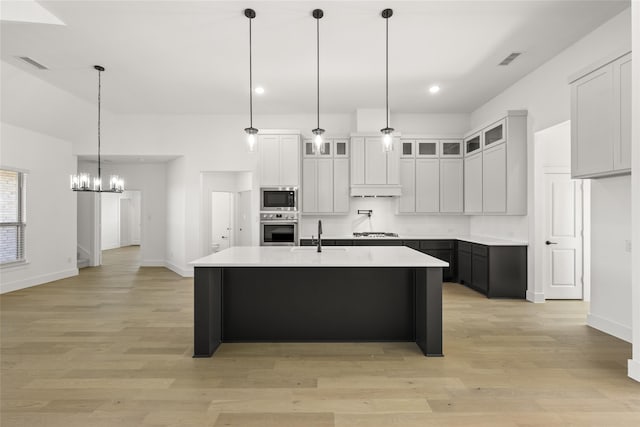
column 434, row 89
column 259, row 90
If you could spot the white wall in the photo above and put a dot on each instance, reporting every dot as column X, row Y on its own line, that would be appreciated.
column 634, row 363
column 610, row 309
column 51, row 206
column 88, row 221
column 545, row 94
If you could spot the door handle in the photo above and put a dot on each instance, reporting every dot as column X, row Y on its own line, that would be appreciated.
column 550, row 243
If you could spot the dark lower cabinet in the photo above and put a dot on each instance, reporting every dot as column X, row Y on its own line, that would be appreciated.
column 495, row 271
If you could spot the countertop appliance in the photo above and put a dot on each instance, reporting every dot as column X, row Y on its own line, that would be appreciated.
column 278, row 229
column 278, row 199
column 373, row 234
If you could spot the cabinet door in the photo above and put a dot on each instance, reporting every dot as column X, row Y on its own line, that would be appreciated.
column 473, row 184
column 341, row 148
column 480, row 273
column 375, row 162
column 622, row 112
column 450, row 148
column 451, row 185
column 289, row 160
column 325, row 185
column 426, row 148
column 309, row 185
column 269, row 146
column 407, row 148
column 494, row 179
column 592, row 124
column 357, row 160
column 427, row 185
column 473, row 144
column 495, row 134
column 407, row 202
column 393, row 163
column 464, row 267
column 308, row 149
column 341, row 185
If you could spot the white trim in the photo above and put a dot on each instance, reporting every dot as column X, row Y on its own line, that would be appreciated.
column 610, row 327
column 179, row 270
column 152, row 263
column 278, row 132
column 536, row 297
column 634, row 369
column 36, row 280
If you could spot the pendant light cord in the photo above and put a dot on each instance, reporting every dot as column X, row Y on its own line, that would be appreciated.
column 318, row 71
column 387, row 68
column 250, row 80
column 99, row 92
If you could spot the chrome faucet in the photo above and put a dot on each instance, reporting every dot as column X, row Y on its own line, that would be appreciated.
column 319, row 235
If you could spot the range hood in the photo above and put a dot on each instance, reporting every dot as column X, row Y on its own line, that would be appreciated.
column 382, row 190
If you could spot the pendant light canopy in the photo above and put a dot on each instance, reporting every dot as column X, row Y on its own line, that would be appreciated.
column 84, row 181
column 250, row 131
column 317, row 140
column 387, row 132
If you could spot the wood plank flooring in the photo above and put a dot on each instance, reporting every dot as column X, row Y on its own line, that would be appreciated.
column 113, row 346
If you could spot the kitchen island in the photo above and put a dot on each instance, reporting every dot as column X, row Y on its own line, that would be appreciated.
column 295, row 294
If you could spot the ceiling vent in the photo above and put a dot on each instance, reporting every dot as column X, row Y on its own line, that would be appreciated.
column 510, row 58
column 33, row 62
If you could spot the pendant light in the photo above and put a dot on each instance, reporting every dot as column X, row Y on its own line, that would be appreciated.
column 317, row 140
column 387, row 132
column 250, row 131
column 83, row 181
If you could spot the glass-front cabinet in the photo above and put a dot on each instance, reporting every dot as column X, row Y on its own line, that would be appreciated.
column 340, row 148
column 407, row 150
column 452, row 148
column 473, row 143
column 495, row 134
column 426, row 148
column 310, row 149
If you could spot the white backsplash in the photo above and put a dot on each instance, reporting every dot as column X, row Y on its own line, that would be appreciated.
column 384, row 219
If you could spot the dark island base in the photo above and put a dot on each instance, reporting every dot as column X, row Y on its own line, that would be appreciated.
column 322, row 304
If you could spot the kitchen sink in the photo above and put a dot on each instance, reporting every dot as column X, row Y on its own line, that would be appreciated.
column 315, row 249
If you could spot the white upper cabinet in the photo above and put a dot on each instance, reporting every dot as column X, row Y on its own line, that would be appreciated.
column 279, row 160
column 473, row 184
column 407, row 202
column 374, row 172
column 451, row 148
column 325, row 177
column 427, row 148
column 601, row 119
column 495, row 167
column 407, row 149
column 452, row 185
column 427, row 185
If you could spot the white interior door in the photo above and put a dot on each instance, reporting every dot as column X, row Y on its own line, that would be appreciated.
column 221, row 220
column 243, row 238
column 563, row 273
column 126, row 219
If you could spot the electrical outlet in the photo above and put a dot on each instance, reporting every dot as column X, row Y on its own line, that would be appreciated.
column 627, row 245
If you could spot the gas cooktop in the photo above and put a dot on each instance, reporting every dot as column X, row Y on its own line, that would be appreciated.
column 374, row 234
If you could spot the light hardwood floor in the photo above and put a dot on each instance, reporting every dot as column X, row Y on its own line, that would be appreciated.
column 112, row 347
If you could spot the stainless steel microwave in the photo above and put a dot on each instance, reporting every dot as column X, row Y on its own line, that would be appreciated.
column 278, row 199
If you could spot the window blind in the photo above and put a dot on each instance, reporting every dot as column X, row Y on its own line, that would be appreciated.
column 12, row 216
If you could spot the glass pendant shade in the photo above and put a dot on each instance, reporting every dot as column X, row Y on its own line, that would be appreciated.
column 252, row 138
column 387, row 139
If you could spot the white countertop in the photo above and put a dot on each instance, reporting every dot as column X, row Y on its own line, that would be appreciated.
column 331, row 256
column 489, row 241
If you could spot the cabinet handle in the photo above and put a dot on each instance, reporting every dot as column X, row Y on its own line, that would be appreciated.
column 550, row 243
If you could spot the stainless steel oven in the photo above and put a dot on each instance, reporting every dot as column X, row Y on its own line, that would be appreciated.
column 278, row 199
column 279, row 229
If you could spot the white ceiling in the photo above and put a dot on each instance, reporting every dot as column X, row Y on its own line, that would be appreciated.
column 186, row 57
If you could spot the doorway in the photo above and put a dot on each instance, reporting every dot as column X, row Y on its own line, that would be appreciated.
column 222, row 220
column 120, row 221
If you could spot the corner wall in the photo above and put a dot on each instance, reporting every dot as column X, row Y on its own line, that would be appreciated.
column 51, row 207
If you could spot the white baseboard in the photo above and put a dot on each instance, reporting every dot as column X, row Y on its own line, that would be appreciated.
column 179, row 270
column 153, row 263
column 536, row 297
column 610, row 327
column 36, row 280
column 634, row 369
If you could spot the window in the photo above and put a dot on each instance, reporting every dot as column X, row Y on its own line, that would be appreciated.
column 12, row 216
